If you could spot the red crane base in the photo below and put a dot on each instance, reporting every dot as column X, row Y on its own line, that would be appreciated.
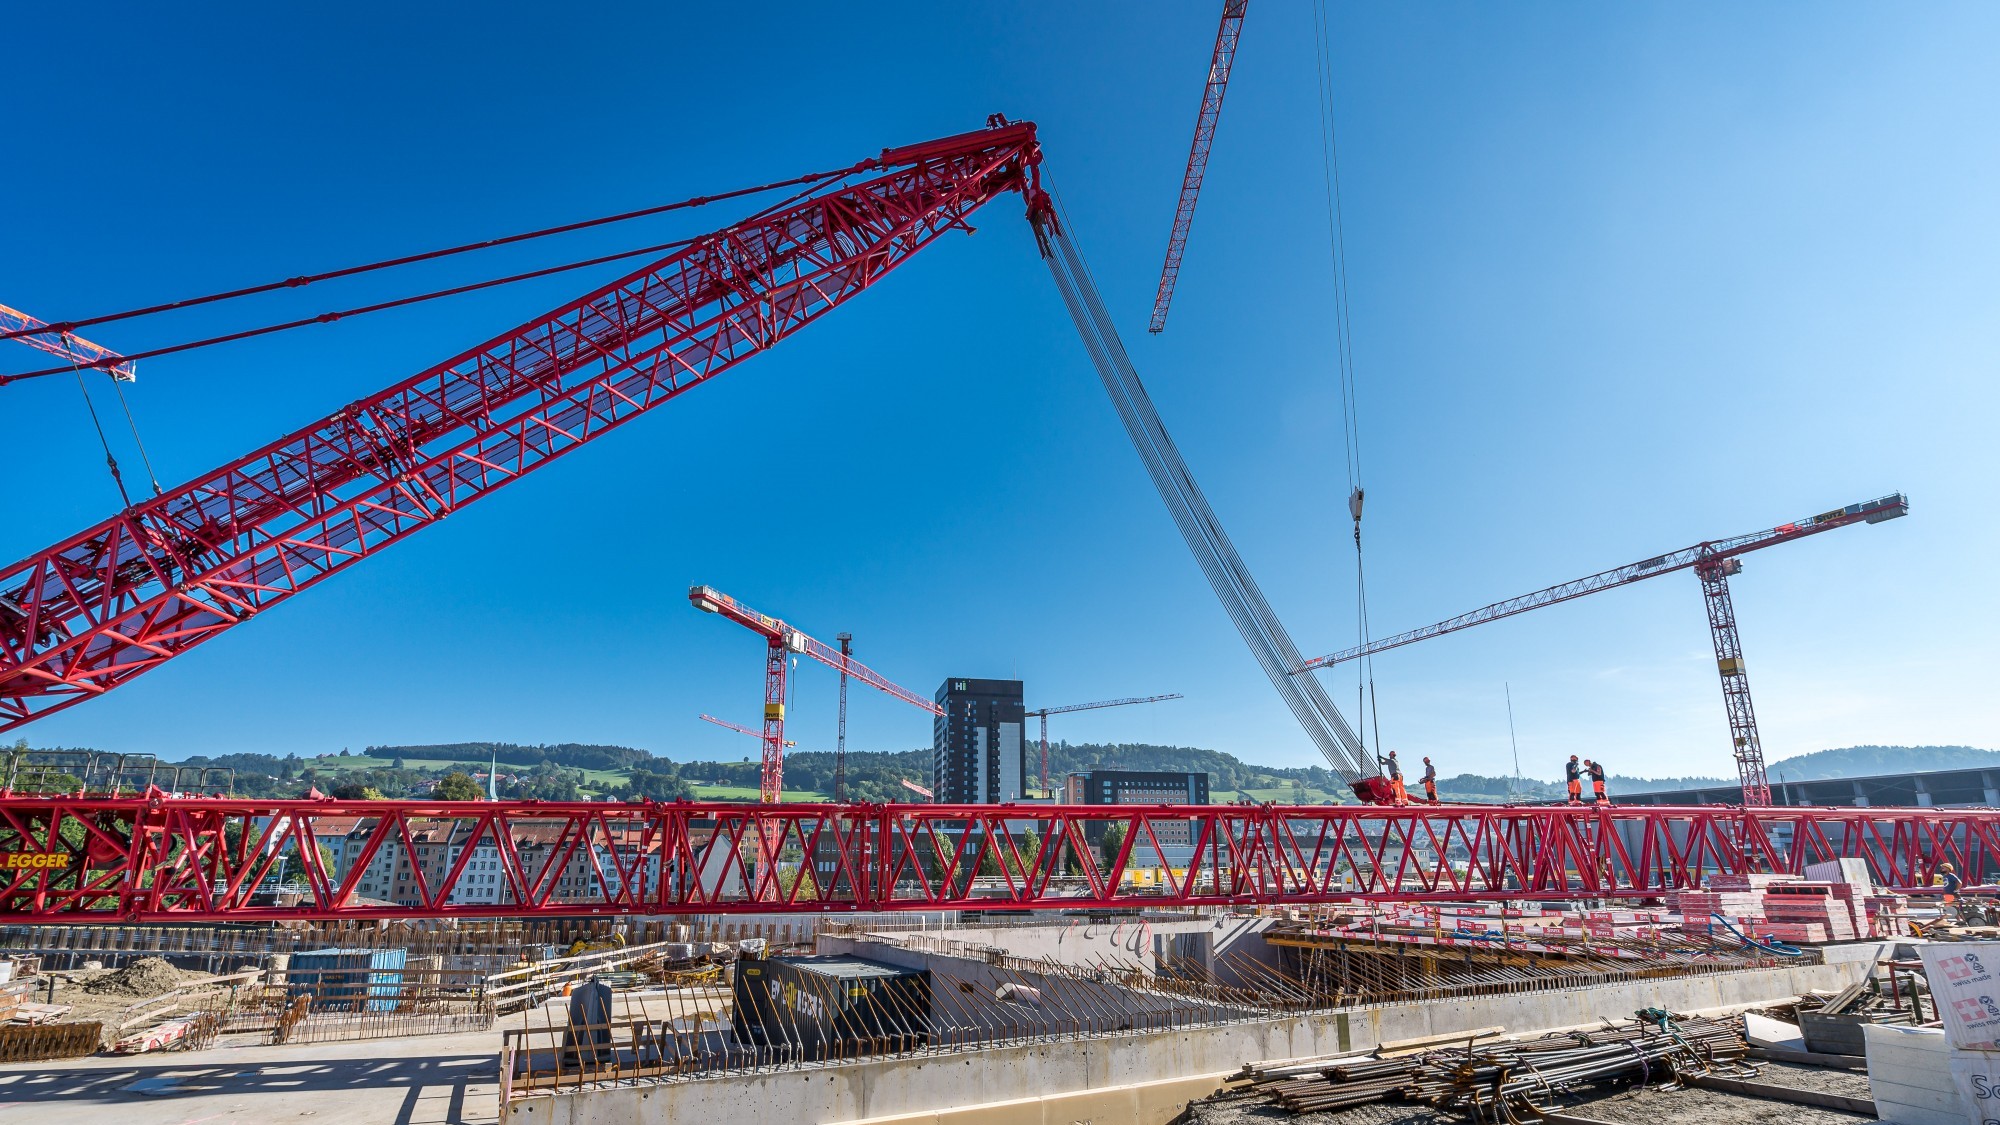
column 160, row 858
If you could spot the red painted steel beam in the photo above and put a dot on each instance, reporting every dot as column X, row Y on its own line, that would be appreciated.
column 130, row 593
column 197, row 859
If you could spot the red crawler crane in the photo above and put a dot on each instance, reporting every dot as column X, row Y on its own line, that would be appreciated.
column 132, row 592
column 1219, row 65
column 1713, row 562
column 781, row 640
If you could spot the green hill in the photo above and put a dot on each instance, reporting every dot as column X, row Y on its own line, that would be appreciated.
column 572, row 771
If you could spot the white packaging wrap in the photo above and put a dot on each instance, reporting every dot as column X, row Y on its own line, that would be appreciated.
column 1965, row 986
column 1977, row 1076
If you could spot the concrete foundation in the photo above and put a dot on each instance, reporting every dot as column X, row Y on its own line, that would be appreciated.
column 1142, row 1077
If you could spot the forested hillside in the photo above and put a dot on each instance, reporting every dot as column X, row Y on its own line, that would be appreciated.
column 576, row 771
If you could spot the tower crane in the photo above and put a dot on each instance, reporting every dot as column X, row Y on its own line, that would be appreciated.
column 725, row 723
column 1713, row 563
column 66, row 345
column 1219, row 64
column 1045, row 712
column 781, row 640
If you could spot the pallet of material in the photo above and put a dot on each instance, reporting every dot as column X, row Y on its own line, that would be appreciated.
column 39, row 1013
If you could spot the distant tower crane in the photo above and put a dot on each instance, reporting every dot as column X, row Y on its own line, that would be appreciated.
column 917, row 789
column 1045, row 712
column 739, row 730
column 1219, row 65
column 781, row 641
column 1712, row 562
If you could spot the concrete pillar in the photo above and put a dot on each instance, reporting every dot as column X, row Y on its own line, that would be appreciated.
column 1860, row 798
column 1986, row 783
column 1923, row 794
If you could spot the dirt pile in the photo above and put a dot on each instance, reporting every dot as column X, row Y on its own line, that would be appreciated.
column 148, row 976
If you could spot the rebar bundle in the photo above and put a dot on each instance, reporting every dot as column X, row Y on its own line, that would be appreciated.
column 1510, row 1080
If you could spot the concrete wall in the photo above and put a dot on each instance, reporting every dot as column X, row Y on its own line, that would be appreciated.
column 1127, row 942
column 927, row 1085
column 1067, row 1005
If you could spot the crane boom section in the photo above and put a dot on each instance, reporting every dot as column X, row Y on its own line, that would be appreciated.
column 1046, row 711
column 711, row 600
column 1872, row 511
column 124, row 596
column 1219, row 65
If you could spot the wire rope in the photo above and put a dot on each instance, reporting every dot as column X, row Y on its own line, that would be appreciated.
column 812, row 179
column 1343, row 330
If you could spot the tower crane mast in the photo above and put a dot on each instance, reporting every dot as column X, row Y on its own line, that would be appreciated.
column 781, row 640
column 1713, row 563
column 1219, row 65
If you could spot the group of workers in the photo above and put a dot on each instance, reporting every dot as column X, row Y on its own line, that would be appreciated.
column 1574, row 771
column 1398, row 793
column 1573, row 774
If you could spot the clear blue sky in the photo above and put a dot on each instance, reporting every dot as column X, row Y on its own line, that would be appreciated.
column 1625, row 277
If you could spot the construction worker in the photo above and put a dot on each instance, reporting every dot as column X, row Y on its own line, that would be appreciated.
column 1947, row 877
column 1395, row 768
column 1430, row 781
column 1596, row 772
column 1574, row 776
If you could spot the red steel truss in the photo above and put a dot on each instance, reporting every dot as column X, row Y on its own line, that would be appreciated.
column 161, row 577
column 159, row 858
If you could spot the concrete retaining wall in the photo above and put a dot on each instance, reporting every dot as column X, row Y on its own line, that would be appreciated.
column 927, row 1086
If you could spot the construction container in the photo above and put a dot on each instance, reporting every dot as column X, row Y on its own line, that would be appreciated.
column 831, row 1006
column 349, row 980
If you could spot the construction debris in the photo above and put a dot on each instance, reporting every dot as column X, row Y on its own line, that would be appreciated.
column 1508, row 1080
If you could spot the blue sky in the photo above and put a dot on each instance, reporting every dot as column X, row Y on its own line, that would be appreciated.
column 1624, row 278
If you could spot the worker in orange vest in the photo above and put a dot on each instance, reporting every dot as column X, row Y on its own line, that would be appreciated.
column 1395, row 768
column 1596, row 772
column 1574, row 776
column 1430, row 781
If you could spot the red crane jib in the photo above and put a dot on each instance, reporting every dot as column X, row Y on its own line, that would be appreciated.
column 155, row 858
column 132, row 592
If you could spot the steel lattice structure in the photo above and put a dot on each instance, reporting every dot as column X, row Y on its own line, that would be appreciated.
column 160, row 858
column 1713, row 562
column 165, row 575
column 1227, row 33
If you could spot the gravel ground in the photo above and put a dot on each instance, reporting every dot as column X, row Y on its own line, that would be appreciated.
column 1825, row 1080
column 1703, row 1107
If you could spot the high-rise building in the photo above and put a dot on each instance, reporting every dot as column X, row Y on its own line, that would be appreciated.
column 977, row 753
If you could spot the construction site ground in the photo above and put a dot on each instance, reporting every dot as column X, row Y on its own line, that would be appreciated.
column 1626, row 1106
column 417, row 1080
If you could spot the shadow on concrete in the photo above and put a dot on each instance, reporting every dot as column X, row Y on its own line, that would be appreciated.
column 434, row 1089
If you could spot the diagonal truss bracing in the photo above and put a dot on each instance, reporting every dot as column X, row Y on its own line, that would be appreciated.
column 156, row 858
